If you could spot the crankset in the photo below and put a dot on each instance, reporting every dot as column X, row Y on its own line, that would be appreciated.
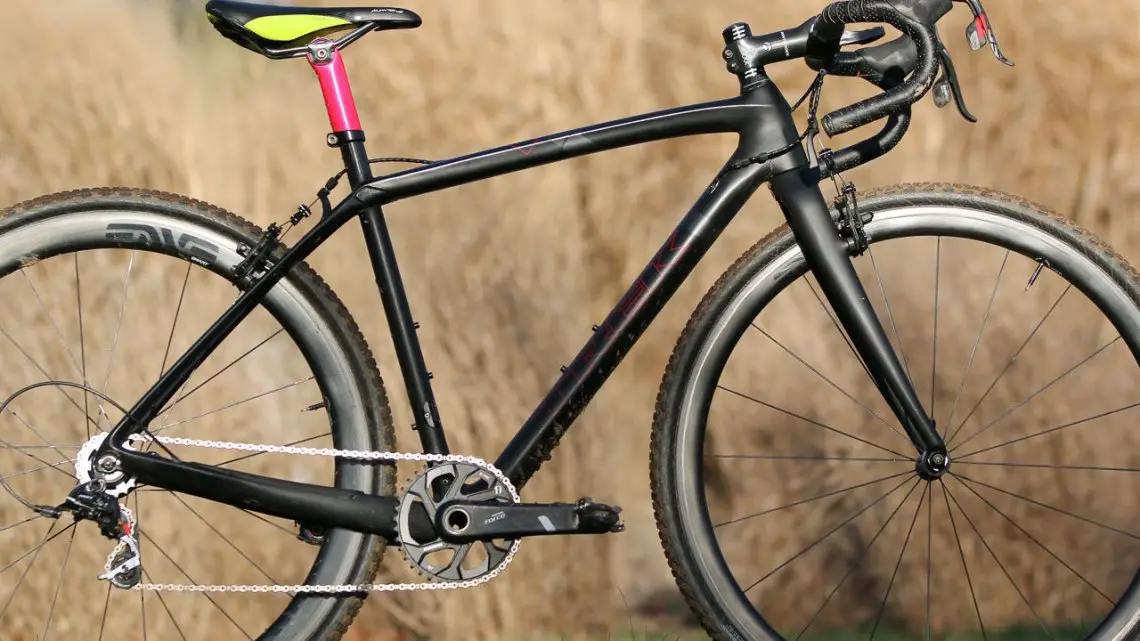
column 466, row 521
column 477, row 523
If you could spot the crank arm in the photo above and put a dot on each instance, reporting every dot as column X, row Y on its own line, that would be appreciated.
column 466, row 521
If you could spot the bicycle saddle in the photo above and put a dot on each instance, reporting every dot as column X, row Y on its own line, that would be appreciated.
column 269, row 29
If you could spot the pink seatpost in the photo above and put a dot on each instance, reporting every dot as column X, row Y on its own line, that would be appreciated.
column 329, row 65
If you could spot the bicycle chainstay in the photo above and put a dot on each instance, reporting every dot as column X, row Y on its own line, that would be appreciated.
column 349, row 454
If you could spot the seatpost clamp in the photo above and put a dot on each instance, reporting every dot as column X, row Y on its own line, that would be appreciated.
column 321, row 51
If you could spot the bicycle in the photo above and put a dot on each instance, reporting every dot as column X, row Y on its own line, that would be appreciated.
column 460, row 522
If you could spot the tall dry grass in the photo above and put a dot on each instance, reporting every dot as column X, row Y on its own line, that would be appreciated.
column 507, row 276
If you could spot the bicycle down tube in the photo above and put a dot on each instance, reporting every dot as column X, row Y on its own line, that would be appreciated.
column 761, row 118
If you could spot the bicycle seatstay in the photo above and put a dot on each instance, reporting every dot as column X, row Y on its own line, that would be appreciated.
column 762, row 119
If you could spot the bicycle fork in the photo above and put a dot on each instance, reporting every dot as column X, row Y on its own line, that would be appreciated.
column 799, row 196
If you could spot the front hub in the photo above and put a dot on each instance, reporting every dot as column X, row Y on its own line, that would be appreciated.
column 932, row 465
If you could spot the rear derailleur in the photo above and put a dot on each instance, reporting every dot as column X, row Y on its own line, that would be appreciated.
column 91, row 502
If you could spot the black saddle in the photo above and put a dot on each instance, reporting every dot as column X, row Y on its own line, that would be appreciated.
column 278, row 31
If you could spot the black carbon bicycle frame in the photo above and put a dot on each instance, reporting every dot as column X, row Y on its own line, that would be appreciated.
column 763, row 121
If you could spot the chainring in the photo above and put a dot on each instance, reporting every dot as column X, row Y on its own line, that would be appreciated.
column 467, row 482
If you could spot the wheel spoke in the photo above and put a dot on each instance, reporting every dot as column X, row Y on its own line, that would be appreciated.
column 106, row 606
column 267, row 521
column 829, row 533
column 1093, row 468
column 1036, row 393
column 1008, row 365
column 978, row 340
column 1053, row 508
column 142, row 593
column 225, row 538
column 1034, row 539
column 929, row 555
column 890, row 315
column 223, row 370
column 1051, row 430
column 838, row 328
column 46, row 465
column 902, row 552
column 118, row 326
column 189, row 578
column 236, row 403
column 47, row 538
column 810, row 458
column 51, row 319
column 829, row 381
column 40, row 436
column 962, row 555
column 26, row 355
column 858, row 560
column 40, row 447
column 59, row 584
column 1000, row 565
column 19, row 523
column 814, row 498
column 177, row 628
column 174, row 324
column 934, row 343
column 54, row 466
column 808, row 420
column 82, row 343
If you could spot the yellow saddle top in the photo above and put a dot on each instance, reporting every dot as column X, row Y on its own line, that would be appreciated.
column 264, row 27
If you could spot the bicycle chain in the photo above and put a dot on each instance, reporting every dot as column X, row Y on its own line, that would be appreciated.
column 349, row 454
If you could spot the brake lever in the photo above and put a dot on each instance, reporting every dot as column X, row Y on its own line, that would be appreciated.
column 866, row 36
column 947, row 85
column 979, row 32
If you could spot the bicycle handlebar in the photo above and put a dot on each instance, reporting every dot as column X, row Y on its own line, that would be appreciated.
column 918, row 29
column 904, row 68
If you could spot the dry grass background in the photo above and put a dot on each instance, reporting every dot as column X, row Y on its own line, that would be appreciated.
column 508, row 276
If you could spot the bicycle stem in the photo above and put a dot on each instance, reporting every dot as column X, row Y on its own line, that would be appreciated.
column 808, row 215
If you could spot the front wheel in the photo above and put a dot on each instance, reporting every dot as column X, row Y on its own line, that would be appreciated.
column 786, row 493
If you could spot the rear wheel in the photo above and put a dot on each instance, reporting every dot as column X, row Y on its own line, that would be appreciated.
column 786, row 492
column 106, row 288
